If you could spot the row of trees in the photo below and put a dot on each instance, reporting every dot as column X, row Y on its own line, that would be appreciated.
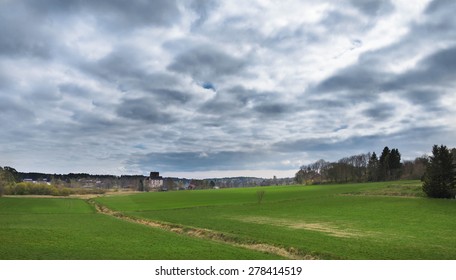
column 387, row 167
column 363, row 168
column 438, row 171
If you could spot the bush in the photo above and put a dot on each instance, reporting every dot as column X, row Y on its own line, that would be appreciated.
column 28, row 188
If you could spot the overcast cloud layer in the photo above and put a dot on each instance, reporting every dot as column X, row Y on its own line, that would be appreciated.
column 195, row 88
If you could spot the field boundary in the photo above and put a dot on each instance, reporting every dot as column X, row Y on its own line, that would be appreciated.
column 289, row 253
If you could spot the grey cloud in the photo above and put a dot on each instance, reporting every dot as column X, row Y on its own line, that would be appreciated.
column 11, row 110
column 144, row 109
column 272, row 109
column 332, row 148
column 121, row 64
column 437, row 24
column 228, row 101
column 380, row 112
column 435, row 71
column 423, row 97
column 202, row 8
column 137, row 13
column 367, row 79
column 198, row 161
column 325, row 144
column 437, row 6
column 75, row 90
column 129, row 73
column 340, row 21
column 233, row 108
column 356, row 81
column 373, row 7
column 91, row 123
column 115, row 14
column 151, row 83
column 167, row 96
column 336, row 21
column 31, row 28
column 23, row 34
column 206, row 64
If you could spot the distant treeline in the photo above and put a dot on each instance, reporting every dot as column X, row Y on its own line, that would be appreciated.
column 35, row 176
column 10, row 177
column 364, row 168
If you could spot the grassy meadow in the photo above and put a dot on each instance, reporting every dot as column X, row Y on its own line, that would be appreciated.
column 388, row 220
column 64, row 228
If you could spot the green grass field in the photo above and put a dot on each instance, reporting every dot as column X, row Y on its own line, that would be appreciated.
column 53, row 228
column 390, row 220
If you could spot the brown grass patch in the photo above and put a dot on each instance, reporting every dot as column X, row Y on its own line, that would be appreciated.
column 324, row 227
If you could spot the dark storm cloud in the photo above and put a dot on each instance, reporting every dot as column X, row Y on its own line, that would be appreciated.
column 205, row 63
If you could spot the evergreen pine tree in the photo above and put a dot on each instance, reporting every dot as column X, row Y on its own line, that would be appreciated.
column 372, row 168
column 395, row 165
column 439, row 179
column 384, row 164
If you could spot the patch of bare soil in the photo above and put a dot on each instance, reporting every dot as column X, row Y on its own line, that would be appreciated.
column 290, row 253
column 324, row 227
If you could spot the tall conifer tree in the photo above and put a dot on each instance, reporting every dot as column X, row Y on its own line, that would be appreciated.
column 439, row 179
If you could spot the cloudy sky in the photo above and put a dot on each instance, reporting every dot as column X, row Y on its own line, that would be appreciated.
column 222, row 88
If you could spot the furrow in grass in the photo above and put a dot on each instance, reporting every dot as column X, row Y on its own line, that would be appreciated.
column 290, row 253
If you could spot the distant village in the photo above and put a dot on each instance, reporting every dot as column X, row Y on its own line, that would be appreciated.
column 153, row 182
